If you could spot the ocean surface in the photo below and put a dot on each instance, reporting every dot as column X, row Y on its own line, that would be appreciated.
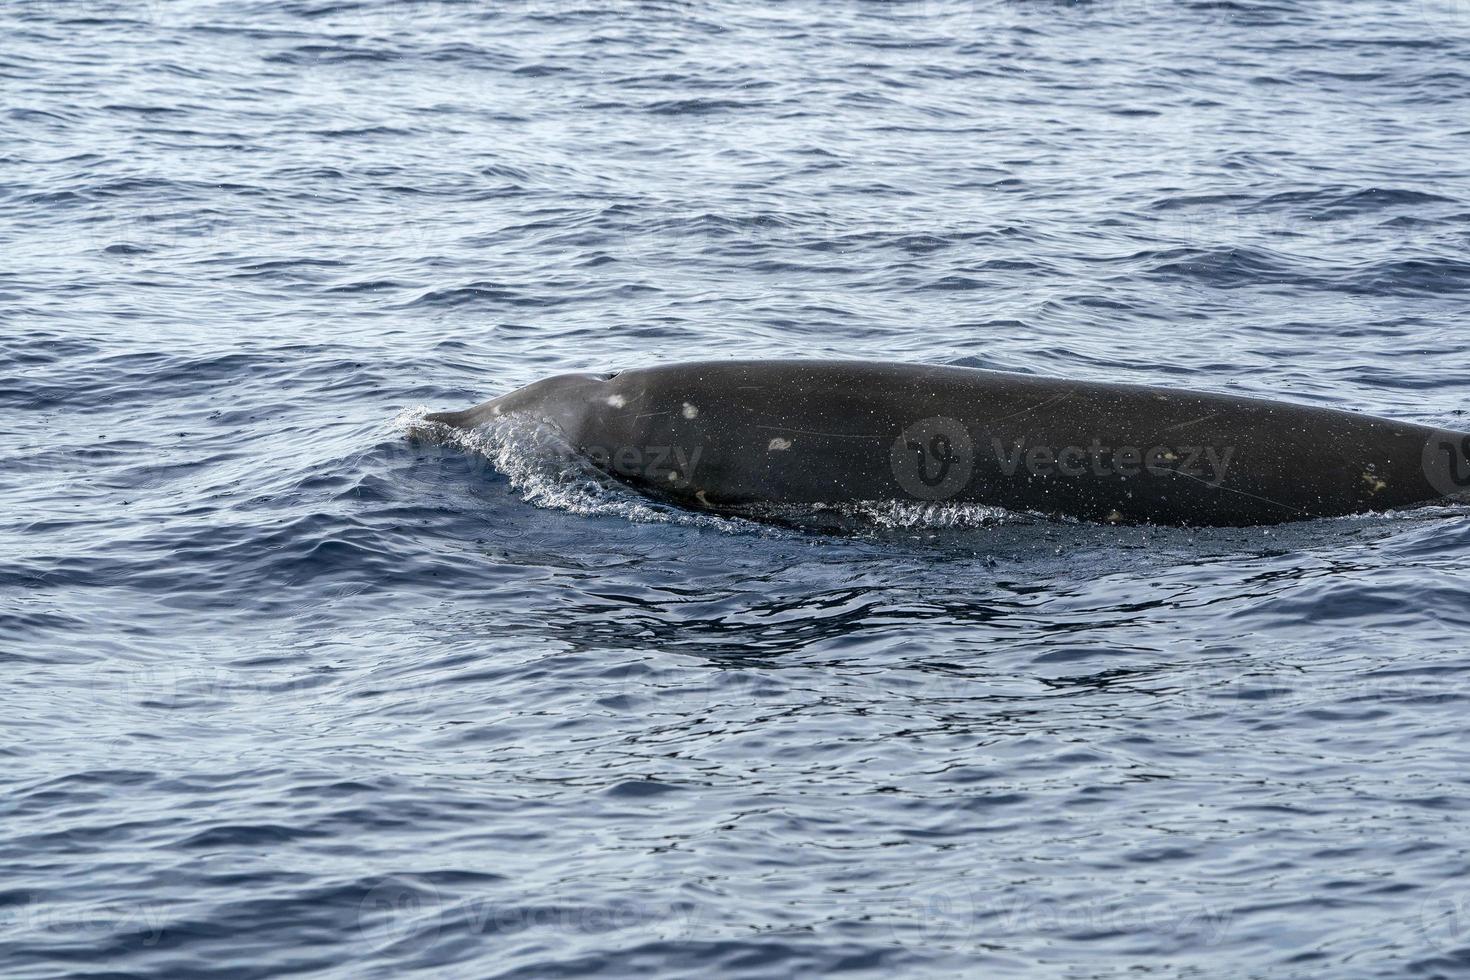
column 293, row 691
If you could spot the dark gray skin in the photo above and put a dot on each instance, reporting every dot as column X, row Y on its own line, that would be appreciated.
column 735, row 435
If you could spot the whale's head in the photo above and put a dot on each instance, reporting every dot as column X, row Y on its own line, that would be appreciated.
column 639, row 426
column 564, row 399
column 569, row 401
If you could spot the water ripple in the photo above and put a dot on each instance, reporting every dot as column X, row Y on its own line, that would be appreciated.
column 298, row 685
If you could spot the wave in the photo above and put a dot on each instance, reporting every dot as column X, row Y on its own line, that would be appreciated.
column 546, row 471
column 539, row 465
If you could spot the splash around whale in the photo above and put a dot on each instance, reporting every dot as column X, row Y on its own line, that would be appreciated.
column 734, row 436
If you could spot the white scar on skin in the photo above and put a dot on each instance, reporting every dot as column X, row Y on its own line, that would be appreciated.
column 1185, row 425
column 690, row 411
column 616, row 401
column 778, row 443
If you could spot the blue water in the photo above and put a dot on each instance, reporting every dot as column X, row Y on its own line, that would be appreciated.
column 292, row 691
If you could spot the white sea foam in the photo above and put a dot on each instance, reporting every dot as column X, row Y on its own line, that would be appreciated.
column 545, row 471
column 542, row 467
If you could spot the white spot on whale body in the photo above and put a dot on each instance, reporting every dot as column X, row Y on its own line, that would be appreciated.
column 616, row 401
column 690, row 411
column 778, row 444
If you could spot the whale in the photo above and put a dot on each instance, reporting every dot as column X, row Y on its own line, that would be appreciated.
column 746, row 436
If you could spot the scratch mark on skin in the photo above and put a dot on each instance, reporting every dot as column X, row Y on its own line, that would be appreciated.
column 621, row 402
column 1054, row 399
column 1243, row 493
column 1185, row 425
column 618, row 401
column 814, row 432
